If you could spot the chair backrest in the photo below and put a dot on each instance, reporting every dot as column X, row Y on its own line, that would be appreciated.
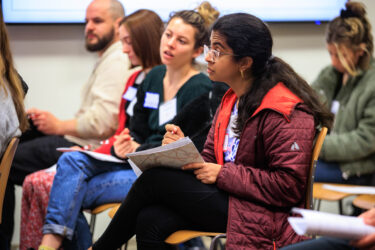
column 5, row 164
column 315, row 154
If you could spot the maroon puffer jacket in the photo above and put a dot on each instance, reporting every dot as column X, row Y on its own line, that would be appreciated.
column 269, row 175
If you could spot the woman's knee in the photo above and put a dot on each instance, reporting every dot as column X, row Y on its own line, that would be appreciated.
column 146, row 179
column 72, row 161
column 161, row 176
column 151, row 173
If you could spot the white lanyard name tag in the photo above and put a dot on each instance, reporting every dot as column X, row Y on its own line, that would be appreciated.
column 225, row 145
column 130, row 94
column 167, row 111
column 151, row 100
column 130, row 109
column 335, row 106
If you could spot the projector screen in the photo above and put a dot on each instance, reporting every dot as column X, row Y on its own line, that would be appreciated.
column 73, row 11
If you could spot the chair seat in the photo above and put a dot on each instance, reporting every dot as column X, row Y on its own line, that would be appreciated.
column 113, row 211
column 102, row 208
column 364, row 201
column 185, row 235
column 321, row 193
column 98, row 210
column 5, row 164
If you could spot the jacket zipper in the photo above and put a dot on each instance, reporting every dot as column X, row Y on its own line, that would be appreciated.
column 217, row 143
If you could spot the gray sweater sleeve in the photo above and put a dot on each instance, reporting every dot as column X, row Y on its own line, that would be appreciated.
column 9, row 124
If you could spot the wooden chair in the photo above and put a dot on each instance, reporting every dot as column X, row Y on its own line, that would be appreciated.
column 321, row 193
column 315, row 155
column 113, row 211
column 5, row 164
column 364, row 201
column 185, row 235
column 96, row 211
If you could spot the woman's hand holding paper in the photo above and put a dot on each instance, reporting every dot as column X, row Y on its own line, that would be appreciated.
column 205, row 172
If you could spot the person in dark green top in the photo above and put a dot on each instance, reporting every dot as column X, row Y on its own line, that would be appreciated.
column 348, row 88
column 171, row 86
column 148, row 129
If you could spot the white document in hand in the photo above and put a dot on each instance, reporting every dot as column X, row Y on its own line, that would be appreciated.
column 327, row 224
column 173, row 155
column 95, row 155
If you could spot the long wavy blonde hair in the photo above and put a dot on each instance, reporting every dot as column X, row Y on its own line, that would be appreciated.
column 9, row 77
column 352, row 30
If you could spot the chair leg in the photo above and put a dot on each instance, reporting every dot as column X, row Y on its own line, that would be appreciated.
column 340, row 207
column 318, row 205
column 92, row 224
column 222, row 246
column 216, row 241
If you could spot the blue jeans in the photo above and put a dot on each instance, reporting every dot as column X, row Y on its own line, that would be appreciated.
column 328, row 172
column 83, row 182
column 331, row 172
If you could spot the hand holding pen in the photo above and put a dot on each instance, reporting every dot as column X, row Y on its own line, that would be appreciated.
column 45, row 121
column 173, row 134
column 124, row 144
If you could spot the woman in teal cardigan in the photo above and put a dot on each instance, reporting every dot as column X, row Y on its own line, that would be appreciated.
column 347, row 86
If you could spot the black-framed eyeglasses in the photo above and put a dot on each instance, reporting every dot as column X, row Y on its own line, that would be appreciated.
column 214, row 54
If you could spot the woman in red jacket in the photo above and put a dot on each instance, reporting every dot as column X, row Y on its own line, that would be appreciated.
column 257, row 153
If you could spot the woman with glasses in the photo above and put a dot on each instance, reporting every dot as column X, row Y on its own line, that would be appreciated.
column 257, row 153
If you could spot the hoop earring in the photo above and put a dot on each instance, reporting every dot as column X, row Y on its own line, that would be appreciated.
column 242, row 75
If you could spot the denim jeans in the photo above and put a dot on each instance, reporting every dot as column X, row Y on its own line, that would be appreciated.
column 331, row 172
column 328, row 172
column 83, row 182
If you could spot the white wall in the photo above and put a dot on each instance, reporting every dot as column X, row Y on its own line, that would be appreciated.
column 53, row 61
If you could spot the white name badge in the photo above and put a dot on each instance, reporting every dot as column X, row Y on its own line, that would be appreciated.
column 151, row 100
column 130, row 94
column 130, row 109
column 335, row 106
column 167, row 111
column 225, row 145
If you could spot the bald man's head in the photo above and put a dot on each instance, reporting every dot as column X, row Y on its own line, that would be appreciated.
column 114, row 7
column 102, row 18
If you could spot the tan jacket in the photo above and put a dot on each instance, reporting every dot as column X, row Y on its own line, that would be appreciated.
column 101, row 95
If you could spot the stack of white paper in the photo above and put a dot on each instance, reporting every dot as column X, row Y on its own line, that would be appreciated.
column 351, row 189
column 327, row 224
column 95, row 155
